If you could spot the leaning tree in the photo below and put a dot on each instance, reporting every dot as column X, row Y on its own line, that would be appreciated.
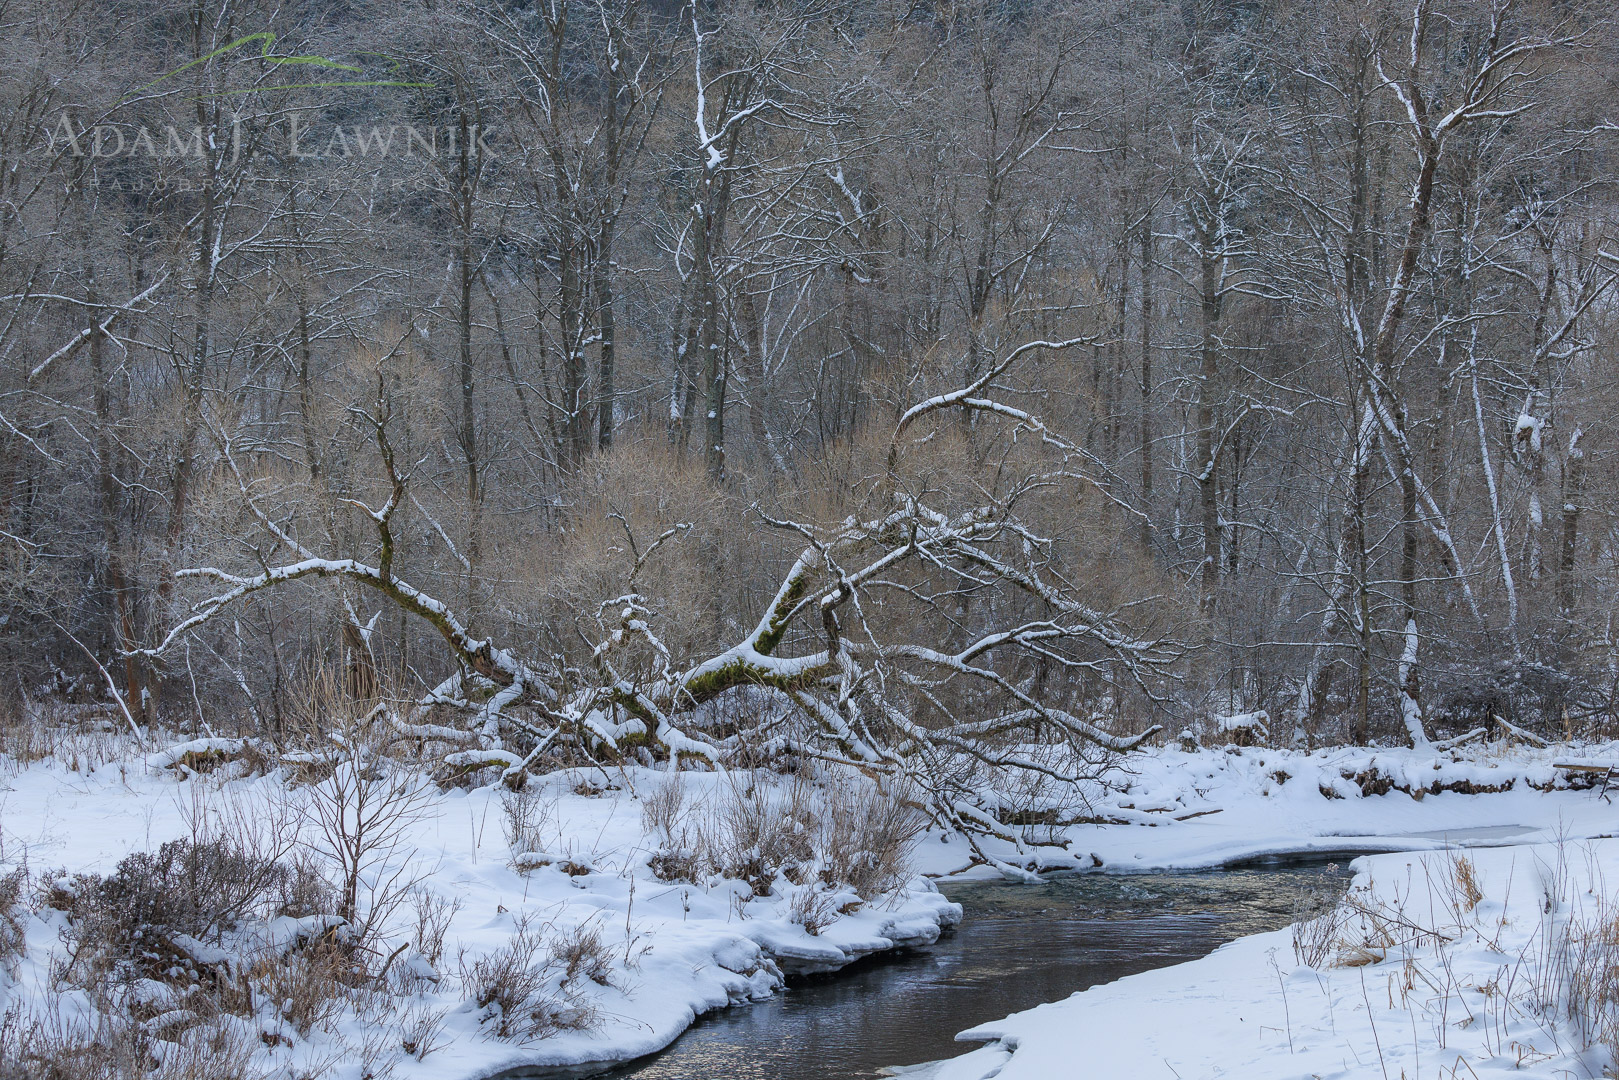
column 932, row 641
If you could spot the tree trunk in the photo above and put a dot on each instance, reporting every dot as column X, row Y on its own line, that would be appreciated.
column 1147, row 256
column 1208, row 474
column 606, row 387
column 1573, row 496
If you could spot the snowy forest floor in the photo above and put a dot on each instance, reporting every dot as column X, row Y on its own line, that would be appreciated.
column 1488, row 942
column 621, row 956
column 1447, row 965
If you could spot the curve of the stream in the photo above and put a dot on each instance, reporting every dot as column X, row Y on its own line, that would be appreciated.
column 1019, row 946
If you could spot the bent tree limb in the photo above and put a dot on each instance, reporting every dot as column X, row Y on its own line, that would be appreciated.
column 847, row 663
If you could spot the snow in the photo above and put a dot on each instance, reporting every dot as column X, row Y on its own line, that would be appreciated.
column 1245, row 721
column 1213, row 807
column 1529, row 427
column 1477, row 996
column 681, row 949
column 1470, row 1005
column 677, row 950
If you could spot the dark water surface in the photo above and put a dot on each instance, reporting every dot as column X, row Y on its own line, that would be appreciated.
column 1019, row 946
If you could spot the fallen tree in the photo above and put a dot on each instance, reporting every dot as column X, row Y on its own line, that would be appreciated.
column 931, row 643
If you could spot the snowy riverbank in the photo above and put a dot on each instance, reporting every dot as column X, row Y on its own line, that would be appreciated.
column 1440, row 962
column 1167, row 809
column 659, row 951
column 665, row 951
column 1433, row 966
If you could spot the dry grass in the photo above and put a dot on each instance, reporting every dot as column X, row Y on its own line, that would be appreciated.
column 582, row 955
column 841, row 831
column 529, row 820
column 1557, row 992
column 421, row 1027
column 55, row 1043
column 1317, row 926
column 1463, row 891
column 433, row 915
column 813, row 907
column 523, row 987
column 307, row 987
column 662, row 808
column 1592, row 980
column 866, row 837
column 13, row 887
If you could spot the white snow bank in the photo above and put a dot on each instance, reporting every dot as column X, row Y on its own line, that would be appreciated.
column 1214, row 807
column 1452, row 987
column 676, row 949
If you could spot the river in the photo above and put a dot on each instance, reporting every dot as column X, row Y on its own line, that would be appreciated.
column 1019, row 946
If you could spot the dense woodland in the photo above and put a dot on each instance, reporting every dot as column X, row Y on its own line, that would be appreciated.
column 889, row 382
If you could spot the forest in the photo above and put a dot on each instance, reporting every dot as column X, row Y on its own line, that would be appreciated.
column 871, row 380
column 524, row 523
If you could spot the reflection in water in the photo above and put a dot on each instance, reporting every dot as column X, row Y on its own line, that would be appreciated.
column 1020, row 946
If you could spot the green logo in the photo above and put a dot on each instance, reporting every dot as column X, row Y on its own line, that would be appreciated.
column 267, row 39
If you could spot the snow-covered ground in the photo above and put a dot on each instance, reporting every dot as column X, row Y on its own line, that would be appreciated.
column 1169, row 809
column 1413, row 979
column 1422, row 978
column 675, row 950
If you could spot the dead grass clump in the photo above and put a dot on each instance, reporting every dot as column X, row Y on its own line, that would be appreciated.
column 12, row 943
column 667, row 817
column 1317, row 925
column 304, row 889
column 434, row 914
column 523, row 987
column 582, row 955
column 755, row 836
column 58, row 1046
column 866, row 837
column 662, row 808
column 843, row 832
column 421, row 1027
column 307, row 986
column 813, row 907
column 1465, row 892
column 528, row 817
column 1592, row 1002
column 109, row 1043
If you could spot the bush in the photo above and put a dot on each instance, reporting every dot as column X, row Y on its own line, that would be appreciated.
column 12, row 944
column 528, row 812
column 307, row 986
column 526, row 988
column 866, row 838
column 848, row 832
column 582, row 955
column 196, row 888
column 753, row 837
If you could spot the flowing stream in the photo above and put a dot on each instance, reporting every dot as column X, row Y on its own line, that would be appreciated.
column 1019, row 946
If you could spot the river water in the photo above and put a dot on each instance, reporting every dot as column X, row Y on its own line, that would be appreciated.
column 1019, row 946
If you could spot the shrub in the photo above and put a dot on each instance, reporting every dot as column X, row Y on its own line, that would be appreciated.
column 662, row 807
column 753, row 837
column 582, row 955
column 304, row 889
column 1317, row 924
column 433, row 915
column 195, row 888
column 306, row 986
column 812, row 907
column 523, row 987
column 528, row 813
column 12, row 945
column 866, row 837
